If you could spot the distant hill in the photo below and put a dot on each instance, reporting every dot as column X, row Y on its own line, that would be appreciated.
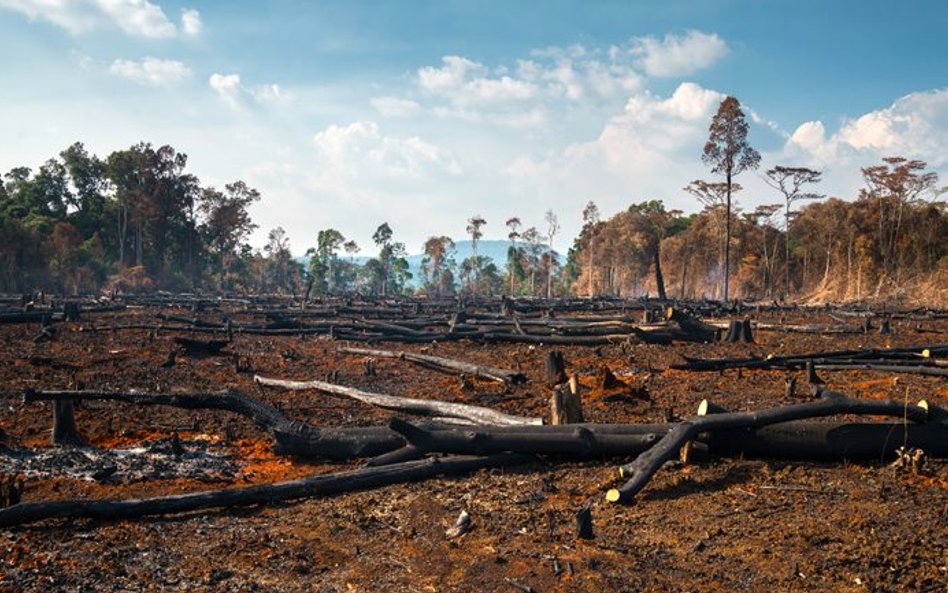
column 495, row 249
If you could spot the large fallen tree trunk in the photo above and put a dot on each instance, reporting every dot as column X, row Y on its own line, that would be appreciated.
column 425, row 407
column 291, row 438
column 324, row 485
column 444, row 365
column 645, row 466
column 579, row 440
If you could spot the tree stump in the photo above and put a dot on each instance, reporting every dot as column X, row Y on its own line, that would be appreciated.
column 584, row 523
column 555, row 369
column 64, row 424
column 565, row 404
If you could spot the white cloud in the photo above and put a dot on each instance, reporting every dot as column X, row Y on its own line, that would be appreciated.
column 135, row 17
column 634, row 156
column 151, row 71
column 232, row 92
column 914, row 126
column 464, row 82
column 678, row 55
column 191, row 22
column 395, row 107
column 520, row 96
column 228, row 88
column 360, row 150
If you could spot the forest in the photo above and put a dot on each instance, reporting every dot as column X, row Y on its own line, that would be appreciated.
column 136, row 220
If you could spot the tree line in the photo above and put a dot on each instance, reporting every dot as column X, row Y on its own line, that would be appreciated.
column 889, row 240
column 137, row 220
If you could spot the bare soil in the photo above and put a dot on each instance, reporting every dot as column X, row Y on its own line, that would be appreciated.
column 724, row 525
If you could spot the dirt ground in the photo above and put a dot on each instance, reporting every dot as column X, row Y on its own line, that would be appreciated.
column 723, row 525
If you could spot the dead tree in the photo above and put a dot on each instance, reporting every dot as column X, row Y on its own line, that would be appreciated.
column 324, row 485
column 476, row 414
column 445, row 365
column 645, row 466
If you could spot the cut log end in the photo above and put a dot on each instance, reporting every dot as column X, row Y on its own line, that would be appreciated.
column 613, row 495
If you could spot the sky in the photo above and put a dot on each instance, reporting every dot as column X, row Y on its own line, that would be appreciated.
column 422, row 114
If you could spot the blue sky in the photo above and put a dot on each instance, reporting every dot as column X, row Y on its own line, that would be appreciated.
column 422, row 114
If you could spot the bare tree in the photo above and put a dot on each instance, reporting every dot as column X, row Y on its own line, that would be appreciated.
column 513, row 255
column 474, row 225
column 789, row 181
column 552, row 228
column 728, row 153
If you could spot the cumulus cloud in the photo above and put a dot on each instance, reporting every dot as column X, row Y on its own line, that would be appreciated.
column 139, row 18
column 395, row 107
column 151, row 71
column 359, row 149
column 521, row 95
column 914, row 126
column 464, row 81
column 191, row 22
column 236, row 95
column 638, row 150
column 678, row 55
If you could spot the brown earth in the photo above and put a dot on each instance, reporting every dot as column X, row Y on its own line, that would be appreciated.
column 725, row 525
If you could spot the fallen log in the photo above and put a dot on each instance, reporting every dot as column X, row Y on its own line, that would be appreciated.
column 579, row 440
column 324, row 485
column 291, row 438
column 645, row 466
column 445, row 365
column 885, row 368
column 424, row 407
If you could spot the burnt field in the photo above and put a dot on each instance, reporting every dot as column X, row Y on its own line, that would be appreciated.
column 721, row 521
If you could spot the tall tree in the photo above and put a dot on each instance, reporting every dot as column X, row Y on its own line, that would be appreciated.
column 383, row 239
column 552, row 228
column 590, row 220
column 728, row 153
column 789, row 181
column 890, row 188
column 322, row 263
column 436, row 265
column 227, row 220
column 715, row 197
column 514, row 256
column 279, row 256
column 474, row 225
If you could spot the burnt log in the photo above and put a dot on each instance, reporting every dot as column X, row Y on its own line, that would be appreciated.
column 571, row 440
column 645, row 466
column 324, row 485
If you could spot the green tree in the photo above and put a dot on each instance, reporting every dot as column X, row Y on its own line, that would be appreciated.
column 227, row 220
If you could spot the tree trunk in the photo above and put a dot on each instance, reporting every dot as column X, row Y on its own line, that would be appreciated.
column 659, row 278
column 727, row 240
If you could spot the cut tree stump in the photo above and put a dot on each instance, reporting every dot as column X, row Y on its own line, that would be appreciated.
column 565, row 404
column 555, row 368
column 65, row 433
